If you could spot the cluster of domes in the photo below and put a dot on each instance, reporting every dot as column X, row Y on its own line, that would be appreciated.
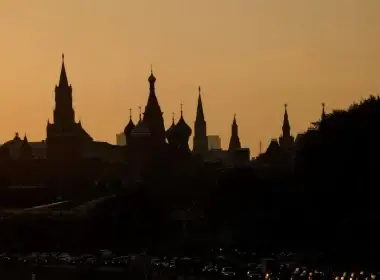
column 182, row 129
column 177, row 134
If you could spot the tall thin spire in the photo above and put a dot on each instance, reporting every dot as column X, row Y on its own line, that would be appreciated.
column 286, row 124
column 173, row 115
column 181, row 110
column 323, row 115
column 63, row 81
column 130, row 114
column 200, row 115
column 200, row 140
column 234, row 140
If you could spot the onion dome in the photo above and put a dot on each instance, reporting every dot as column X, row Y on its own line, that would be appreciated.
column 140, row 129
column 182, row 128
column 152, row 78
column 169, row 131
column 130, row 126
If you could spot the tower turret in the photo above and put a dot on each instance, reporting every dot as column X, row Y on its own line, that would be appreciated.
column 234, row 140
column 285, row 123
column 200, row 142
column 286, row 140
column 323, row 115
column 63, row 112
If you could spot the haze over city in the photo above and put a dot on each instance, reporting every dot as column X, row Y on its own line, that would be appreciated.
column 249, row 57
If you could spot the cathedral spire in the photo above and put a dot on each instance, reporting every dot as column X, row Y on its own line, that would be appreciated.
column 234, row 140
column 63, row 81
column 286, row 124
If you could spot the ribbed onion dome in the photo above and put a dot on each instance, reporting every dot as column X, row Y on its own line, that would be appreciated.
column 129, row 127
column 182, row 128
column 152, row 78
column 140, row 129
column 170, row 129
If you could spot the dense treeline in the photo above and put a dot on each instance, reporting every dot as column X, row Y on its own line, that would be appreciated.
column 328, row 202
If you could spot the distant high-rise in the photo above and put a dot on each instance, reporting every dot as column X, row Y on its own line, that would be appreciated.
column 214, row 142
column 200, row 141
column 120, row 139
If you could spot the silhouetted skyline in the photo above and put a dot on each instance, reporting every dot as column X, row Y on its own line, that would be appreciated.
column 249, row 57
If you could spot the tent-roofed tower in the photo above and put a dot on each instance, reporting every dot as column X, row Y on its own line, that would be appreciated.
column 63, row 111
column 153, row 115
column 200, row 142
column 286, row 139
column 65, row 138
column 234, row 140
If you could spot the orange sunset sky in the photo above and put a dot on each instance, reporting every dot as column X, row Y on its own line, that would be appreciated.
column 249, row 56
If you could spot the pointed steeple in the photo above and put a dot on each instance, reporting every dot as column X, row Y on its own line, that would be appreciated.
column 234, row 140
column 200, row 115
column 200, row 141
column 286, row 124
column 63, row 81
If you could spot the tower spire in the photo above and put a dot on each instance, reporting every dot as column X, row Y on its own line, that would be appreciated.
column 286, row 124
column 200, row 141
column 200, row 115
column 181, row 109
column 234, row 140
column 63, row 81
column 139, row 113
column 173, row 115
column 323, row 115
column 130, row 113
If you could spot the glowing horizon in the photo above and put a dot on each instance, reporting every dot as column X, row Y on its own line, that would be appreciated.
column 249, row 57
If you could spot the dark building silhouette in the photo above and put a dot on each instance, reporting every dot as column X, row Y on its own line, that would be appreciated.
column 200, row 141
column 234, row 140
column 65, row 137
